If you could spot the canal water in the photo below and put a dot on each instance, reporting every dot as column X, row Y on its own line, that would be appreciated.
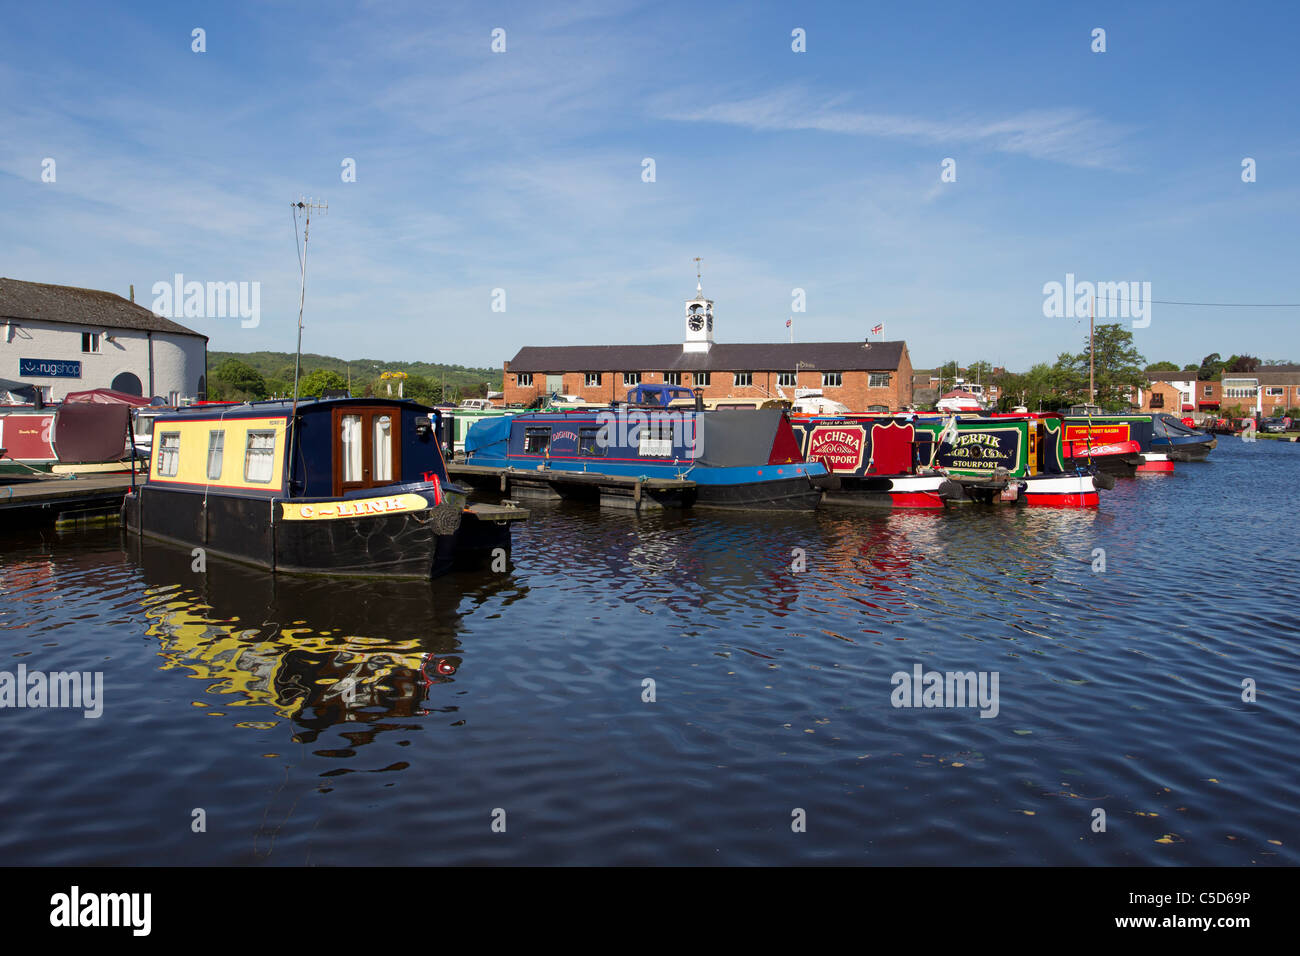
column 686, row 689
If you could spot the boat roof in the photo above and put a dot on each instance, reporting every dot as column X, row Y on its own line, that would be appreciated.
column 272, row 408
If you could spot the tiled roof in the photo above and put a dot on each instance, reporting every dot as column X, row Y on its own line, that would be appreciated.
column 62, row 303
column 723, row 357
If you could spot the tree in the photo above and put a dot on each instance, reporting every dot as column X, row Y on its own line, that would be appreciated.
column 1243, row 363
column 321, row 380
column 1117, row 364
column 1210, row 368
column 237, row 381
column 979, row 372
column 1165, row 367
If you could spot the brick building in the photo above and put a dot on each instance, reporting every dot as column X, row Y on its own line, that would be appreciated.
column 866, row 376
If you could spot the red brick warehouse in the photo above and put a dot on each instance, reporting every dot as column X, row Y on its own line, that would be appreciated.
column 865, row 376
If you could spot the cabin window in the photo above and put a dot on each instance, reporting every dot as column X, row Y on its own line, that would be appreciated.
column 590, row 444
column 90, row 342
column 786, row 379
column 743, row 379
column 536, row 440
column 259, row 457
column 655, row 440
column 350, row 436
column 832, row 379
column 878, row 409
column 216, row 450
column 592, row 380
column 169, row 454
column 672, row 378
column 383, row 448
column 525, row 379
column 631, row 378
column 878, row 380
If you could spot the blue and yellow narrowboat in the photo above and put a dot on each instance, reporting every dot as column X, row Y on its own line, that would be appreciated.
column 351, row 486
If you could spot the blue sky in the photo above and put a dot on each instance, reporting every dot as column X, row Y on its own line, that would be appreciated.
column 522, row 170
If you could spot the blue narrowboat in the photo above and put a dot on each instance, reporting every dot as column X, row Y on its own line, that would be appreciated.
column 353, row 486
column 735, row 459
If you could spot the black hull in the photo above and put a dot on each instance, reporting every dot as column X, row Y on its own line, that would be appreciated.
column 418, row 544
column 1189, row 451
column 1121, row 466
column 785, row 494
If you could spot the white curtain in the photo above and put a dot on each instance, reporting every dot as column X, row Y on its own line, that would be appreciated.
column 169, row 453
column 351, row 438
column 383, row 448
column 259, row 463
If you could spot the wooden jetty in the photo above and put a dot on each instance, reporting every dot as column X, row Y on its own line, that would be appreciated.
column 545, row 484
column 49, row 499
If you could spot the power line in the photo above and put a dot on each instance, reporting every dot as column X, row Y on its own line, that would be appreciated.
column 1233, row 305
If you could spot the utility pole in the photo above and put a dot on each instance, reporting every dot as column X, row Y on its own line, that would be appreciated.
column 1092, row 386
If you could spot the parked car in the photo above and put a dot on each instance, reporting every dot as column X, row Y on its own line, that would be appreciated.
column 1272, row 425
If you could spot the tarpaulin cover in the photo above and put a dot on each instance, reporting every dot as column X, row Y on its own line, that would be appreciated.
column 488, row 436
column 88, row 432
column 21, row 389
column 738, row 436
column 106, row 396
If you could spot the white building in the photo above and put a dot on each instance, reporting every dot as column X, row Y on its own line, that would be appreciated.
column 62, row 339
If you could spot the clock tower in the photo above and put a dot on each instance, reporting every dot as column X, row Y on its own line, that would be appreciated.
column 699, row 319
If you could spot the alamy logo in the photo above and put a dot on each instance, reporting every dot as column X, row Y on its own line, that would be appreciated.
column 83, row 690
column 179, row 299
column 75, row 908
column 1104, row 300
column 922, row 688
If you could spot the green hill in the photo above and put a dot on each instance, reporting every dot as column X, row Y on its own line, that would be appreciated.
column 425, row 379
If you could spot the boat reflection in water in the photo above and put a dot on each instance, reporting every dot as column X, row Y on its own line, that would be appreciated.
column 317, row 652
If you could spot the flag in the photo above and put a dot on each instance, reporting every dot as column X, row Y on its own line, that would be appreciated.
column 877, row 329
column 787, row 322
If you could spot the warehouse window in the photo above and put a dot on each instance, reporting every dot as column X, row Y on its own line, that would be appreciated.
column 743, row 379
column 672, row 378
column 832, row 379
column 786, row 379
column 524, row 379
column 592, row 380
column 631, row 378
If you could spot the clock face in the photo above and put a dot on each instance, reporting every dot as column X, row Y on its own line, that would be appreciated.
column 696, row 322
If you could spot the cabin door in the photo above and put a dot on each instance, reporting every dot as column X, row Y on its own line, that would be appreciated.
column 367, row 448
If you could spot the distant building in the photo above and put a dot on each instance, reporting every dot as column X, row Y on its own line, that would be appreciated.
column 866, row 376
column 62, row 339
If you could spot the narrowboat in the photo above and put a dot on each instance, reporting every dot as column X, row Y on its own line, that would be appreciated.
column 87, row 431
column 876, row 460
column 732, row 458
column 349, row 486
column 1009, row 460
column 1109, row 438
column 1180, row 442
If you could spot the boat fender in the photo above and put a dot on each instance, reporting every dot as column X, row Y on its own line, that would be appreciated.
column 950, row 490
column 1103, row 480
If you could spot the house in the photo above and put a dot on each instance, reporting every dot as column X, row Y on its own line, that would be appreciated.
column 62, row 339
column 865, row 376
